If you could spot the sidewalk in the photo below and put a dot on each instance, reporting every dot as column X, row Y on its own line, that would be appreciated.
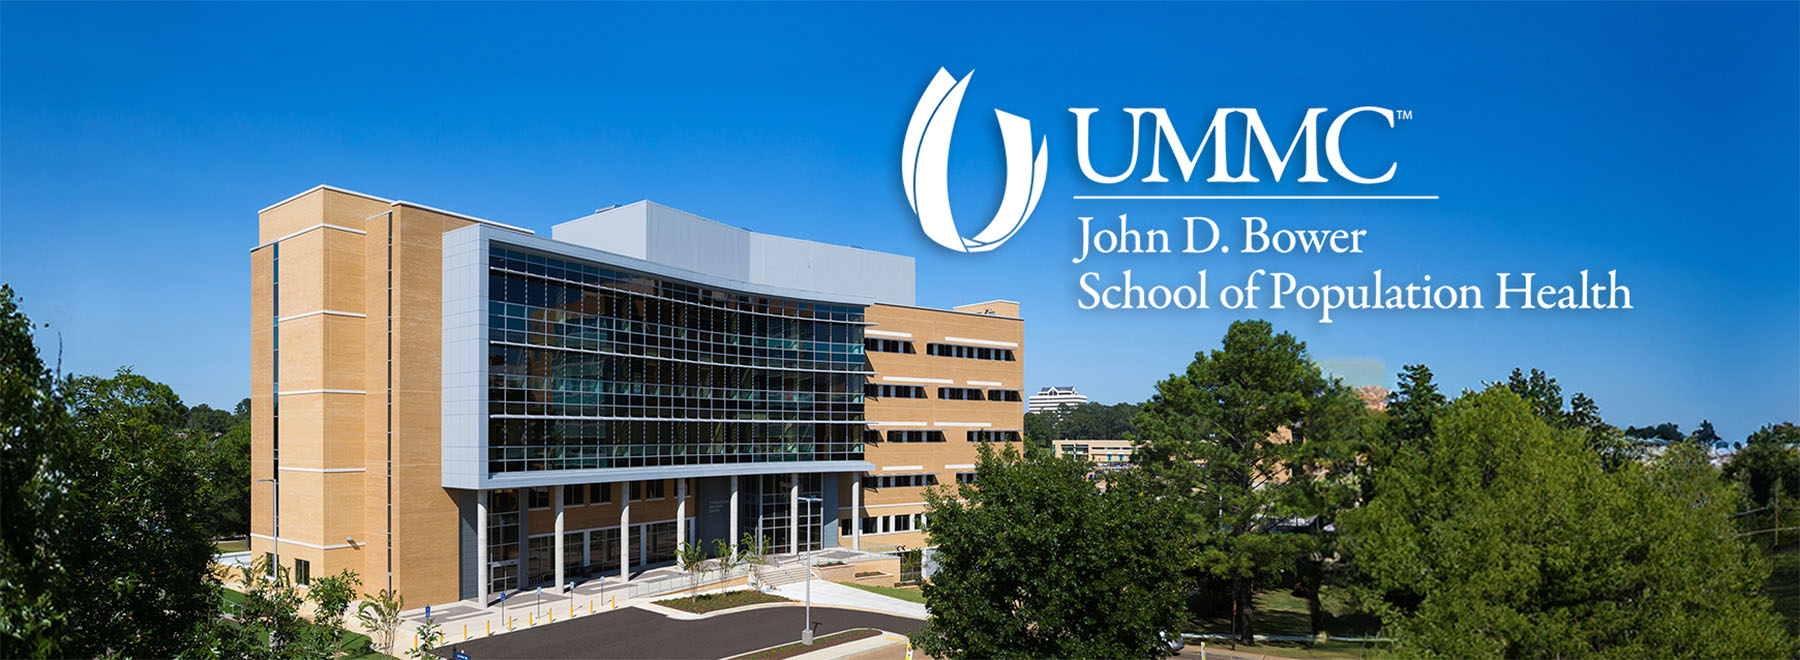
column 832, row 593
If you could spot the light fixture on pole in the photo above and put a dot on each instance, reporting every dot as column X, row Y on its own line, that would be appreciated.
column 806, row 634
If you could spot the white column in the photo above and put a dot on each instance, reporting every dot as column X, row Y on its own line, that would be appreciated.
column 856, row 511
column 524, row 560
column 625, row 532
column 481, row 548
column 794, row 515
column 557, row 495
column 680, row 512
column 734, row 516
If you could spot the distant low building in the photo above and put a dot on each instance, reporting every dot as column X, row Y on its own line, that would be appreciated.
column 1105, row 454
column 1049, row 399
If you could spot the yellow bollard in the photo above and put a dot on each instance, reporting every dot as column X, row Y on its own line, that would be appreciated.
column 590, row 606
column 490, row 629
column 465, row 632
column 552, row 615
column 531, row 619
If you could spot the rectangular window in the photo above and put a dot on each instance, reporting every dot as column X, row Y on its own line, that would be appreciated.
column 893, row 391
column 887, row 345
column 902, row 480
column 269, row 561
column 970, row 352
column 573, row 496
column 600, row 493
column 302, row 572
column 540, row 498
column 1003, row 395
column 915, row 436
column 965, row 477
column 844, row 527
column 961, row 394
column 985, row 435
column 653, row 490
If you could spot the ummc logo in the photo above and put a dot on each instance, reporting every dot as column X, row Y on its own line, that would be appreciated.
column 925, row 162
column 925, row 158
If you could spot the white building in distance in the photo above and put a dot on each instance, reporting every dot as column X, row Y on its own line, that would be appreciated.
column 1049, row 399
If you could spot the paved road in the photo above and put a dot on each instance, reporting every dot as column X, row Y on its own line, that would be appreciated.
column 635, row 633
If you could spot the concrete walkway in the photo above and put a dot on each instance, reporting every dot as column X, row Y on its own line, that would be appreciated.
column 832, row 593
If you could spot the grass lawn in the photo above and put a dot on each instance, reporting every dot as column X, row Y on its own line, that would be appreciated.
column 796, row 648
column 704, row 603
column 231, row 545
column 1279, row 612
column 914, row 595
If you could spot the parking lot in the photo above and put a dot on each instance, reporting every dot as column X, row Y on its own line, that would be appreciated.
column 636, row 633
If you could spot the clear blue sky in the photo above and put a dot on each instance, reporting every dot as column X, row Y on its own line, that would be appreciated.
column 138, row 141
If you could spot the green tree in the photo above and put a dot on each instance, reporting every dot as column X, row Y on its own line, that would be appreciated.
column 37, row 575
column 1705, row 436
column 753, row 551
column 331, row 596
column 205, row 421
column 269, row 619
column 105, row 548
column 1768, row 465
column 227, row 480
column 1506, row 538
column 1039, row 562
column 1040, row 429
column 1413, row 403
column 1222, row 437
column 692, row 560
column 379, row 614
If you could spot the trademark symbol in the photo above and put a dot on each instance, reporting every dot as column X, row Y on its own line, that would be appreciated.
column 1403, row 114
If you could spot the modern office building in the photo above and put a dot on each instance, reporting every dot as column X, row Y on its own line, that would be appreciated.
column 1051, row 399
column 454, row 407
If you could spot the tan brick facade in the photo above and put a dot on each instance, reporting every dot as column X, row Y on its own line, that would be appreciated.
column 347, row 311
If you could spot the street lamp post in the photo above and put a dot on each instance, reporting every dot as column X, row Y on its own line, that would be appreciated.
column 806, row 634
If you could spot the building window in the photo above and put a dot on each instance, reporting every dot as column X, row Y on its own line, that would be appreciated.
column 600, row 493
column 902, row 480
column 592, row 367
column 915, row 436
column 269, row 563
column 893, row 391
column 844, row 527
column 961, row 394
column 1007, row 436
column 646, row 490
column 970, row 352
column 965, row 477
column 887, row 345
column 302, row 572
column 573, row 496
column 1004, row 395
column 540, row 498
column 603, row 549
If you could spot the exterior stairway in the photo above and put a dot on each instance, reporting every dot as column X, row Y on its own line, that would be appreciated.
column 777, row 575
